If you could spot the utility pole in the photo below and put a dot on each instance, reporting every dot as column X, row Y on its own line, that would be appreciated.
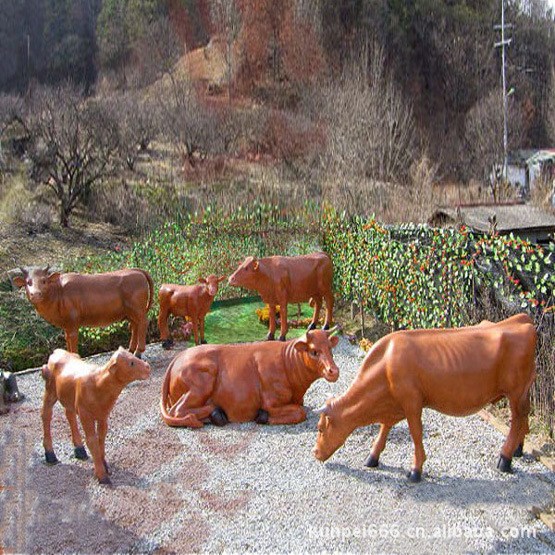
column 503, row 43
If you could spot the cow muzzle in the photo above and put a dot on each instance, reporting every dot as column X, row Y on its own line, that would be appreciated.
column 330, row 373
column 319, row 455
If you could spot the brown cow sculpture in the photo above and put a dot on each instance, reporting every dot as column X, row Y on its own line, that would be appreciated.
column 264, row 382
column 72, row 300
column 454, row 371
column 90, row 392
column 289, row 279
column 193, row 301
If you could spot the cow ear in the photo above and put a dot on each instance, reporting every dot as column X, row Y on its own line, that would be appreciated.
column 220, row 279
column 334, row 341
column 18, row 281
column 255, row 264
column 54, row 277
column 202, row 280
column 301, row 345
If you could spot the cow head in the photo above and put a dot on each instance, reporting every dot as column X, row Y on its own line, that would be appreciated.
column 211, row 283
column 39, row 283
column 126, row 367
column 315, row 347
column 247, row 274
column 331, row 432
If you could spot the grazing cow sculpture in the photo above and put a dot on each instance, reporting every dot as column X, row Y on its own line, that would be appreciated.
column 454, row 371
column 90, row 392
column 264, row 382
column 191, row 301
column 72, row 300
column 289, row 279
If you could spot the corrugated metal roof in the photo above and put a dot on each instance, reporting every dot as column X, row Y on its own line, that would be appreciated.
column 508, row 217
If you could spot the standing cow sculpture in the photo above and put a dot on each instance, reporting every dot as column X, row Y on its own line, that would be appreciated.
column 72, row 300
column 289, row 279
column 88, row 391
column 264, row 382
column 193, row 301
column 9, row 392
column 454, row 371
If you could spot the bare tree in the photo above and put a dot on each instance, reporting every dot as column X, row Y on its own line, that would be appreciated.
column 75, row 144
column 135, row 113
column 369, row 125
column 483, row 137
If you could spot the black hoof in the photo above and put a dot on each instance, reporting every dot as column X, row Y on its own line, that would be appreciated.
column 50, row 457
column 372, row 462
column 262, row 417
column 326, row 327
column 270, row 337
column 105, row 481
column 203, row 342
column 312, row 326
column 167, row 344
column 218, row 417
column 519, row 451
column 138, row 355
column 504, row 464
column 414, row 476
column 107, row 468
column 282, row 338
column 80, row 453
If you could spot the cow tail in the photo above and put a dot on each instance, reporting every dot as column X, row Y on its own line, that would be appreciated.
column 150, row 288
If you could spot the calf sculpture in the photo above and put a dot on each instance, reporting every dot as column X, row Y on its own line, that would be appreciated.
column 72, row 300
column 265, row 382
column 88, row 391
column 191, row 301
column 289, row 279
column 454, row 371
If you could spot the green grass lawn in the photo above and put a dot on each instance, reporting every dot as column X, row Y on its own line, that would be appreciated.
column 239, row 323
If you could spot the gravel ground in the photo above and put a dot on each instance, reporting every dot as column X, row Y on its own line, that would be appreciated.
column 258, row 488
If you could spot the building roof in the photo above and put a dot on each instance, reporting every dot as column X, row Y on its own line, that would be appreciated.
column 525, row 157
column 508, row 217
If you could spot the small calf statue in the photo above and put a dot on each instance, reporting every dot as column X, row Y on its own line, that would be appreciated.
column 454, row 371
column 90, row 392
column 191, row 301
column 264, row 382
column 289, row 279
column 72, row 300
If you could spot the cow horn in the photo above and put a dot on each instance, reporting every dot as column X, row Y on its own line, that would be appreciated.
column 47, row 269
column 334, row 331
column 24, row 271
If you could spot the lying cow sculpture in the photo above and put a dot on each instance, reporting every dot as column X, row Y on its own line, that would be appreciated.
column 191, row 301
column 454, row 371
column 72, row 300
column 289, row 279
column 264, row 382
column 90, row 392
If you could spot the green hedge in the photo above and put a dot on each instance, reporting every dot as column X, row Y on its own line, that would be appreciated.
column 416, row 276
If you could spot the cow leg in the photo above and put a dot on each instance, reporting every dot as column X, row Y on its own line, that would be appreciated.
column 519, row 428
column 72, row 339
column 272, row 324
column 287, row 414
column 329, row 310
column 49, row 400
column 91, row 437
column 142, row 326
column 79, row 448
column 163, row 316
column 378, row 446
column 102, row 430
column 316, row 316
column 192, row 409
column 283, row 322
column 415, row 427
column 194, row 322
column 201, row 326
